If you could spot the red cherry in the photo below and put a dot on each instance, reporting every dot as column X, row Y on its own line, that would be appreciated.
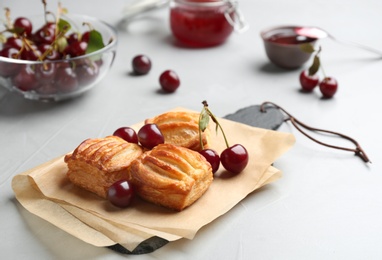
column 8, row 69
column 26, row 79
column 87, row 72
column 127, row 133
column 32, row 53
column 50, row 26
column 24, row 24
column 235, row 158
column 72, row 38
column 13, row 42
column 45, row 72
column 49, row 52
column 308, row 82
column 328, row 87
column 11, row 53
column 76, row 49
column 141, row 64
column 212, row 157
column 66, row 79
column 169, row 81
column 120, row 194
column 150, row 136
column 46, row 88
column 45, row 34
column 85, row 36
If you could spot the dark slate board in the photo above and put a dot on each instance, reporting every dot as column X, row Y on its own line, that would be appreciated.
column 147, row 246
column 271, row 119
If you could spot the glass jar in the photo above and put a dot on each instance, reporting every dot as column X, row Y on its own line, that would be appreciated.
column 204, row 23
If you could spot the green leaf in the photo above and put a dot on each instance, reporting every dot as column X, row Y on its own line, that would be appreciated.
column 204, row 120
column 17, row 30
column 315, row 66
column 63, row 26
column 307, row 47
column 95, row 42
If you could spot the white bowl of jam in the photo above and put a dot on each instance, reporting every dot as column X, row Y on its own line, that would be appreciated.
column 204, row 23
column 283, row 46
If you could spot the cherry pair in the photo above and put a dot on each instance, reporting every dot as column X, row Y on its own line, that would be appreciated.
column 328, row 86
column 149, row 135
column 309, row 79
column 233, row 158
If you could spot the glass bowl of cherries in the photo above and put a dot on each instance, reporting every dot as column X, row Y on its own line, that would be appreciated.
column 53, row 57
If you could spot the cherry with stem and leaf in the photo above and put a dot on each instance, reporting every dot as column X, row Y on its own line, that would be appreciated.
column 309, row 79
column 234, row 158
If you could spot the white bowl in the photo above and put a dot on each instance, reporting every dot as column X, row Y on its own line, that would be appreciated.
column 286, row 54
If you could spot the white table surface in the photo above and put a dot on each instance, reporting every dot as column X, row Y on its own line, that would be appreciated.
column 328, row 205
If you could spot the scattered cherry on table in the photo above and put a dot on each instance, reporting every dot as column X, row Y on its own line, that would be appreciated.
column 308, row 82
column 328, row 87
column 169, row 81
column 141, row 64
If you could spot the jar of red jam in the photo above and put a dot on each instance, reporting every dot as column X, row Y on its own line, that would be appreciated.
column 204, row 23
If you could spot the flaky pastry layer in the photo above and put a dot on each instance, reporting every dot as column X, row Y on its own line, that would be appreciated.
column 171, row 176
column 97, row 163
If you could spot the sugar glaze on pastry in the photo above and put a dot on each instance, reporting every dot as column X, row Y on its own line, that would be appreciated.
column 97, row 163
column 171, row 176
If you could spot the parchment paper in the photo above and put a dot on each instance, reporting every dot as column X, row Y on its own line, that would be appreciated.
column 46, row 192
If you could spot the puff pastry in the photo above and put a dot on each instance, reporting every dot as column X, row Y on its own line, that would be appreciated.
column 171, row 176
column 97, row 163
column 181, row 128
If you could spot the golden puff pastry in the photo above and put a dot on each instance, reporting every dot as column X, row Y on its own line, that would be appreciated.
column 181, row 128
column 171, row 176
column 97, row 163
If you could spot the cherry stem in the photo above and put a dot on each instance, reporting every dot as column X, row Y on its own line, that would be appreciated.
column 89, row 25
column 358, row 151
column 321, row 67
column 8, row 18
column 200, row 132
column 212, row 116
column 57, row 38
column 45, row 10
column 30, row 47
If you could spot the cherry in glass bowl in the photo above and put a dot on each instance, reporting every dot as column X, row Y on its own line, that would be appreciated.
column 56, row 79
column 283, row 46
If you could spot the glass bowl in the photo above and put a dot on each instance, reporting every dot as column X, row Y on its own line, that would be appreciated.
column 283, row 46
column 54, row 80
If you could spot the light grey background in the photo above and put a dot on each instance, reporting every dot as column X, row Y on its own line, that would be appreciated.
column 328, row 205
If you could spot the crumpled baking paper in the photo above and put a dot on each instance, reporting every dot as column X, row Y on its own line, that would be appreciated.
column 46, row 192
